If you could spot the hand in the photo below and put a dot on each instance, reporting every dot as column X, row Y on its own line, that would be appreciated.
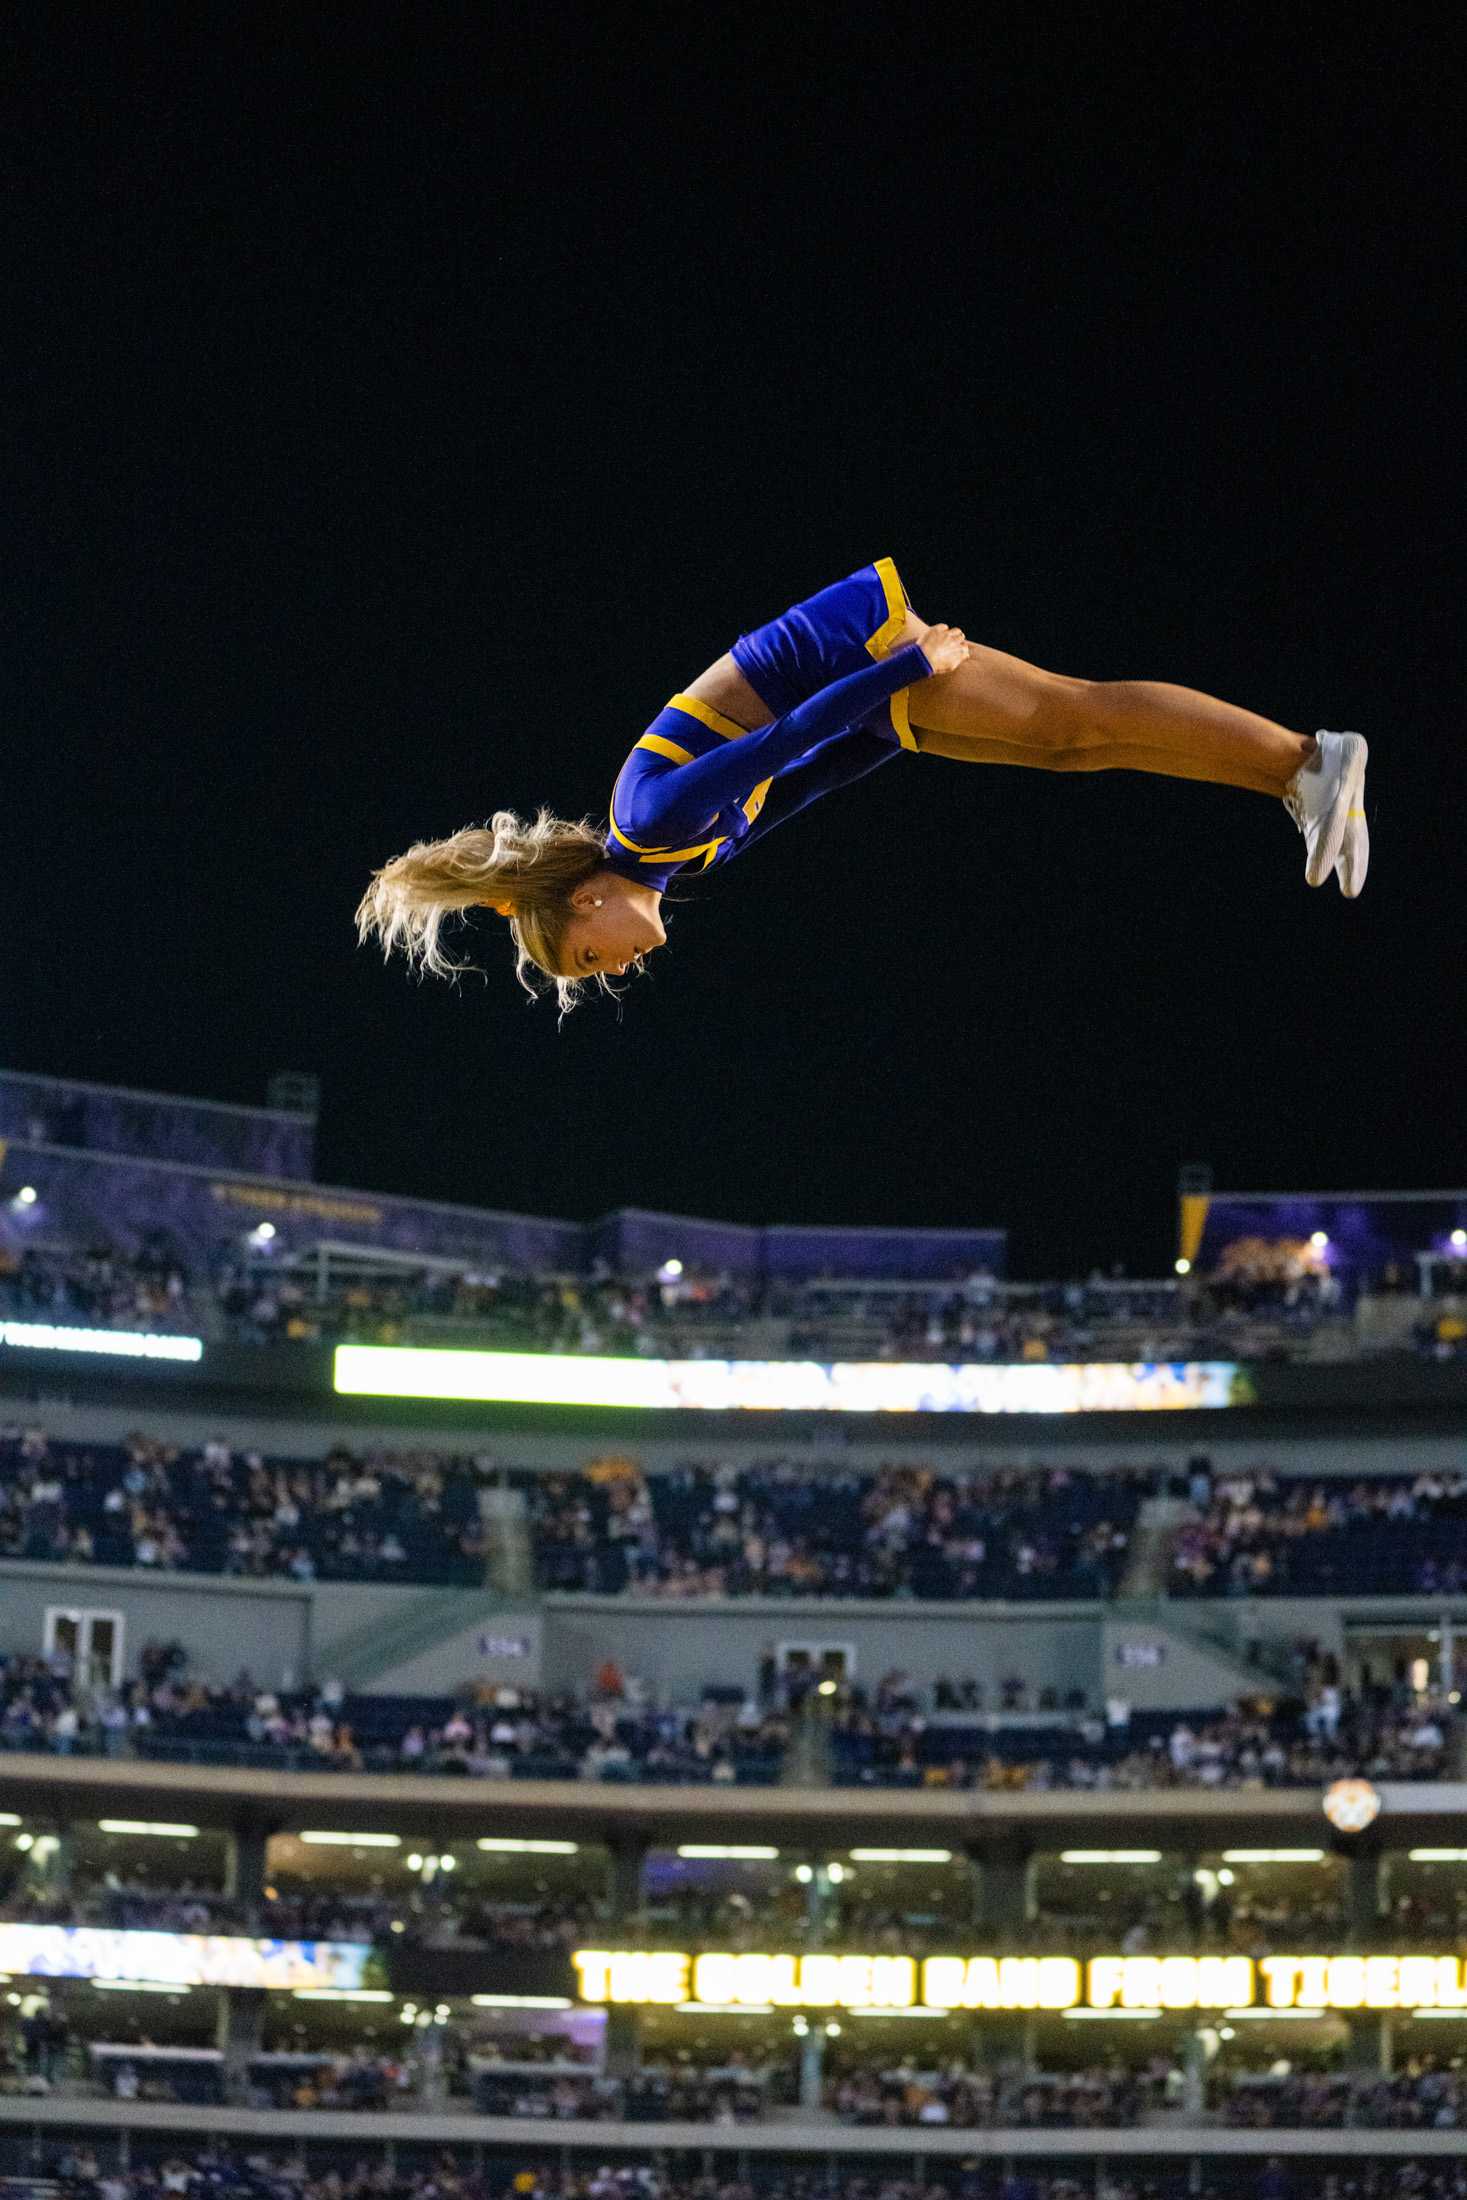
column 944, row 647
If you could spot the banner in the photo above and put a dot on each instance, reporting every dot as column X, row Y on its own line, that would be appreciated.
column 179, row 1959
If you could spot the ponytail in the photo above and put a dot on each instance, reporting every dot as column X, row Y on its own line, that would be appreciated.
column 527, row 871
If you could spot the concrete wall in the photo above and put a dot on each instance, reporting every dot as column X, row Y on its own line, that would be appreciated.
column 681, row 1648
column 224, row 1625
column 281, row 1631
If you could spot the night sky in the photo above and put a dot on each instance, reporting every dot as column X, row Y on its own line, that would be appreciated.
column 394, row 419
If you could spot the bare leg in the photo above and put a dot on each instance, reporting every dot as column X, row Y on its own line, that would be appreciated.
column 996, row 709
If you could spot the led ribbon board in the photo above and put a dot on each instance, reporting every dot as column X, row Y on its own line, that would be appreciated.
column 784, row 1386
column 741, row 1981
column 111, row 1344
column 179, row 1959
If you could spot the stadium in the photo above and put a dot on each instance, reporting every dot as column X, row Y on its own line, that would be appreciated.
column 733, row 1328
column 665, row 1707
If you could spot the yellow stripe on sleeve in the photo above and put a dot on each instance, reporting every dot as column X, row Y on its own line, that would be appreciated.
column 664, row 855
column 662, row 747
column 708, row 716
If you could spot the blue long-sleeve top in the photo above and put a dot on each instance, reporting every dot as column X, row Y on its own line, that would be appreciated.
column 697, row 789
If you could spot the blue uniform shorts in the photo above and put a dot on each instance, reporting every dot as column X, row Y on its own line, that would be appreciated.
column 826, row 637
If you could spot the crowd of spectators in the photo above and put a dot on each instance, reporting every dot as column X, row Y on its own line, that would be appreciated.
column 1104, row 2098
column 206, row 2171
column 96, row 1287
column 1267, row 1534
column 1258, row 1742
column 780, row 1527
column 895, row 1735
column 653, row 2096
column 408, row 1517
column 1262, row 1307
column 783, row 1528
column 605, row 1732
column 1426, row 2096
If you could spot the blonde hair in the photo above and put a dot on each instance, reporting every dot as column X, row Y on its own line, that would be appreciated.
column 528, row 871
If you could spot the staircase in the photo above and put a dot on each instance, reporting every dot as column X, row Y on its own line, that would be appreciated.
column 363, row 1653
column 1227, row 1635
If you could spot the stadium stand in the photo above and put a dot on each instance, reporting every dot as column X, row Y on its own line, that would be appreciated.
column 421, row 1704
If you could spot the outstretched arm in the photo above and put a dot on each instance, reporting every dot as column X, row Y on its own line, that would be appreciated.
column 671, row 804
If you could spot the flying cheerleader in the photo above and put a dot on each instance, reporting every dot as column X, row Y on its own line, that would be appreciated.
column 835, row 688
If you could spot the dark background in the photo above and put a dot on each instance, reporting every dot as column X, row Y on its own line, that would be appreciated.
column 396, row 417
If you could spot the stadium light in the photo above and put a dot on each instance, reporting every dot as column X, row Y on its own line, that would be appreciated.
column 504, row 1845
column 900, row 1856
column 9, row 1818
column 1459, row 1241
column 342, row 1993
column 1110, row 1856
column 27, row 1196
column 137, row 1986
column 147, row 1825
column 1273, row 1856
column 331, row 1840
column 263, row 1233
column 521, row 2001
column 1437, row 1856
column 1182, row 1265
column 726, row 1852
column 1319, row 1239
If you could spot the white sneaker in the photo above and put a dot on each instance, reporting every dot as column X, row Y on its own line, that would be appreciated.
column 1321, row 797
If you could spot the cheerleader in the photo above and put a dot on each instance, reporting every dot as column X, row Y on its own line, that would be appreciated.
column 838, row 687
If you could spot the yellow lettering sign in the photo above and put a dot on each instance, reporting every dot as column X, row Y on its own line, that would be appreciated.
column 827, row 1980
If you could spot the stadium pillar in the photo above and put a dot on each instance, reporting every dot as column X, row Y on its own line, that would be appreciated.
column 623, row 2040
column 627, row 1856
column 1004, row 1896
column 1369, row 2047
column 1366, row 1897
column 244, row 1870
column 241, row 2028
column 812, row 2068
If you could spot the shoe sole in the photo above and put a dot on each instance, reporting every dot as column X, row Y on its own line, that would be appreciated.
column 1347, row 798
column 1354, row 861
